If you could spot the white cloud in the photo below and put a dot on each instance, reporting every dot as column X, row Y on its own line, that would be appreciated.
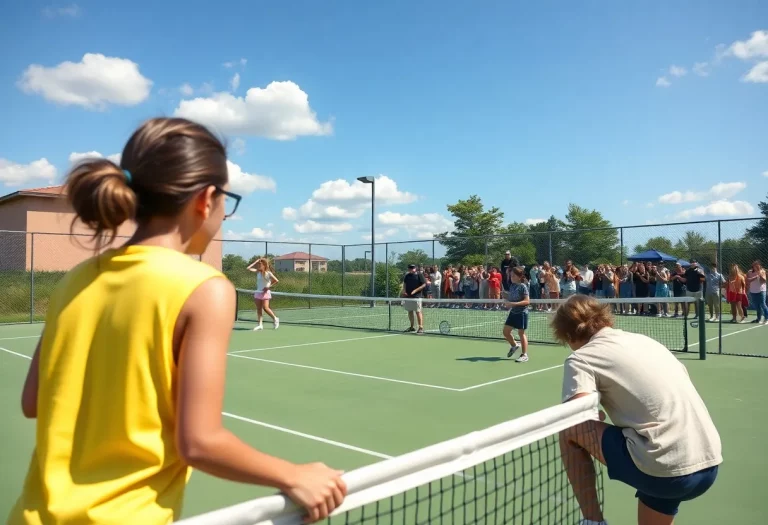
column 677, row 71
column 649, row 205
column 723, row 190
column 765, row 174
column 339, row 200
column 254, row 234
column 321, row 227
column 71, row 11
column 719, row 208
column 424, row 226
column 93, row 83
column 662, row 82
column 382, row 236
column 279, row 111
column 243, row 182
column 235, row 82
column 701, row 69
column 758, row 74
column 341, row 191
column 625, row 202
column 14, row 174
column 756, row 46
column 242, row 62
column 75, row 157
column 187, row 90
column 531, row 222
column 236, row 218
column 238, row 146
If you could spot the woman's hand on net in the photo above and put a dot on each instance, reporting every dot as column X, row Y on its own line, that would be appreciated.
column 317, row 488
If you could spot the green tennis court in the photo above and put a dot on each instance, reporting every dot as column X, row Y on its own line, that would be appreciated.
column 354, row 397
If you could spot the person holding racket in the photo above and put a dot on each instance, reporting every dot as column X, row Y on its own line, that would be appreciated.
column 413, row 286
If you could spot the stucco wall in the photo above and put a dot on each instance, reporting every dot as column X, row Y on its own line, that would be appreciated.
column 13, row 246
column 54, row 248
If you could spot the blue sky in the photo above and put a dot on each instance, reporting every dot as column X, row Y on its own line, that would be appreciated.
column 649, row 113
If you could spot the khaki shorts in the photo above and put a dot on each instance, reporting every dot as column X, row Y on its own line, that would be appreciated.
column 412, row 305
column 695, row 295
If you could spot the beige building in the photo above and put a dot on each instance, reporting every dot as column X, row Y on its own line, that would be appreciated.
column 35, row 226
column 299, row 262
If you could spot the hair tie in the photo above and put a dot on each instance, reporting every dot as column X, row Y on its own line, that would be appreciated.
column 127, row 176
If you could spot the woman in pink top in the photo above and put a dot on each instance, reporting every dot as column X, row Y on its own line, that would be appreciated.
column 756, row 286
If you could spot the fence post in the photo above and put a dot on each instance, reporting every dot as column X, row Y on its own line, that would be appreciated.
column 434, row 260
column 485, row 254
column 266, row 248
column 720, row 290
column 621, row 247
column 386, row 267
column 551, row 261
column 32, row 281
column 343, row 259
column 702, row 329
column 309, row 284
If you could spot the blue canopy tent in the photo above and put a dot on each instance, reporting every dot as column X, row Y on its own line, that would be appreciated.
column 653, row 256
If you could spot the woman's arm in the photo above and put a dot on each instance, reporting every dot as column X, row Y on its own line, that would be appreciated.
column 202, row 338
column 273, row 279
column 31, row 386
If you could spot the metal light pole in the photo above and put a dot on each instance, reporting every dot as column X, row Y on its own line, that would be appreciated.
column 372, row 182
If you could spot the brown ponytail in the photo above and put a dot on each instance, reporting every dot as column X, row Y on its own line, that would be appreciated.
column 164, row 164
column 99, row 193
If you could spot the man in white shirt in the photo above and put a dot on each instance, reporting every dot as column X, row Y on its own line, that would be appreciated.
column 662, row 441
column 585, row 286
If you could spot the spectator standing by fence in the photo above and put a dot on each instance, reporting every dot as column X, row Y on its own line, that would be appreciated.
column 715, row 281
column 756, row 285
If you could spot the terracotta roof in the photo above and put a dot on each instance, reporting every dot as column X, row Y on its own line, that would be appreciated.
column 48, row 191
column 299, row 256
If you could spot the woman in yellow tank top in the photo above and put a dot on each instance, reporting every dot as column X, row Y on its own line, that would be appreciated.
column 127, row 381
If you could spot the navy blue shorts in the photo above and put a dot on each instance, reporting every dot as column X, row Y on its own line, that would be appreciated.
column 663, row 495
column 517, row 320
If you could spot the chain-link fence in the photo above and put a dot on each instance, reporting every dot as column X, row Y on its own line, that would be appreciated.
column 31, row 264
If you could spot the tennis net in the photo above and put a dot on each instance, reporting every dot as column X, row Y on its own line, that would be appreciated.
column 662, row 319
column 511, row 473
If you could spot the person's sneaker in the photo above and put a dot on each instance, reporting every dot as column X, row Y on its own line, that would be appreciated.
column 756, row 321
column 512, row 350
column 410, row 329
column 420, row 331
column 259, row 327
column 277, row 323
column 522, row 359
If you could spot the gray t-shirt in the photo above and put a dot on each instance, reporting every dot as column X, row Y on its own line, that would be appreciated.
column 646, row 392
column 715, row 281
column 518, row 292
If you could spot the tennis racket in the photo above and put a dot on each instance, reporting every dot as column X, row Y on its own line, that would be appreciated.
column 445, row 327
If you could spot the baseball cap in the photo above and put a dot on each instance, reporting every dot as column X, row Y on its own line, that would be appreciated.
column 411, row 266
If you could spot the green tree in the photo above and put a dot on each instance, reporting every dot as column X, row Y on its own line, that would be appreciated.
column 599, row 245
column 693, row 245
column 660, row 243
column 758, row 234
column 416, row 256
column 548, row 244
column 472, row 222
column 232, row 263
column 517, row 239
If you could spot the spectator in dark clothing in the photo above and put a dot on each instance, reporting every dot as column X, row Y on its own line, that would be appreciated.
column 413, row 288
column 506, row 266
column 694, row 280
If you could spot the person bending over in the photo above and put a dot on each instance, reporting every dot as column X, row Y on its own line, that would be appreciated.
column 662, row 441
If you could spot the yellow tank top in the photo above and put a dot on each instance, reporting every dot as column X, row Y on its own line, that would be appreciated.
column 105, row 450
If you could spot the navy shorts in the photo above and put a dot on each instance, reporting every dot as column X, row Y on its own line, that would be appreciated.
column 663, row 495
column 518, row 320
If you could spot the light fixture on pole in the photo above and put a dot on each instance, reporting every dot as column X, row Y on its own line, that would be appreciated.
column 372, row 182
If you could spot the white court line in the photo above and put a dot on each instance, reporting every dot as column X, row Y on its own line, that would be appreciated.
column 275, row 427
column 314, row 343
column 16, row 353
column 503, row 379
column 22, row 337
column 332, row 371
column 309, row 436
column 728, row 335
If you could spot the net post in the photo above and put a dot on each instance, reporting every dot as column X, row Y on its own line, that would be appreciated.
column 702, row 329
column 32, row 280
column 719, row 291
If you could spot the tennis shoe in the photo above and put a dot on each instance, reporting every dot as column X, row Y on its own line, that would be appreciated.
column 512, row 350
column 277, row 323
column 522, row 359
column 259, row 327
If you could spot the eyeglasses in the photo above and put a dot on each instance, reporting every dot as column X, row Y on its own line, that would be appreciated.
column 231, row 202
